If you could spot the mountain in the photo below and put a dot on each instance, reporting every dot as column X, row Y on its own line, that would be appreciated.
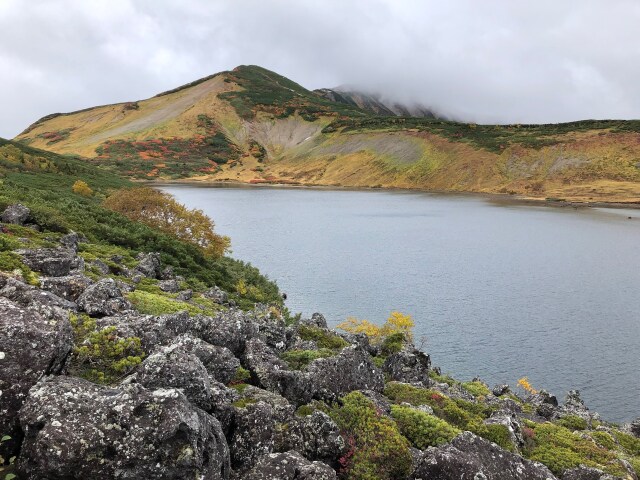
column 375, row 104
column 253, row 125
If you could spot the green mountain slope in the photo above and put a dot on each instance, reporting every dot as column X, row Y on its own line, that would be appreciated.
column 253, row 125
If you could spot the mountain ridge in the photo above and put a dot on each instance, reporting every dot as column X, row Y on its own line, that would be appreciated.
column 253, row 125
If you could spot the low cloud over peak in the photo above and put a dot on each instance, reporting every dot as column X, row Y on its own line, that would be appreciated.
column 492, row 61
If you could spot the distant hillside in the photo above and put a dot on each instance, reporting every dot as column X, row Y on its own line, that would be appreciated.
column 253, row 125
column 375, row 104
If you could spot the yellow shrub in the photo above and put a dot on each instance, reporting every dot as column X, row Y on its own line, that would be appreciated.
column 396, row 323
column 81, row 188
column 526, row 386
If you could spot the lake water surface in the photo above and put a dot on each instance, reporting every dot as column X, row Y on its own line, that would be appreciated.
column 499, row 290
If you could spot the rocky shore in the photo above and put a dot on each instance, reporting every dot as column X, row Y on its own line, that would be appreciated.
column 91, row 387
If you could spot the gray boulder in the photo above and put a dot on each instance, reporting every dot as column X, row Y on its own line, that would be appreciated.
column 69, row 287
column 499, row 390
column 71, row 240
column 352, row 369
column 231, row 329
column 253, row 435
column 152, row 330
column 288, row 466
column 149, row 264
column 217, row 295
column 633, row 428
column 185, row 295
column 586, row 473
column 100, row 266
column 171, row 286
column 54, row 262
column 16, row 214
column 172, row 367
column 103, row 298
column 78, row 430
column 219, row 362
column 409, row 365
column 469, row 457
column 45, row 303
column 30, row 346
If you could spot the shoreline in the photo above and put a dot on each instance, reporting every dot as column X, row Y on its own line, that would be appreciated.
column 491, row 197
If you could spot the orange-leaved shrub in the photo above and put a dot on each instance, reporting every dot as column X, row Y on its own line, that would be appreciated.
column 82, row 188
column 160, row 210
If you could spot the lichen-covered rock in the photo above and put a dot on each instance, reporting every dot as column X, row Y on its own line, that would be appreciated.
column 77, row 430
column 217, row 295
column 100, row 266
column 409, row 366
column 45, row 303
column 231, row 329
column 152, row 330
column 185, row 295
column 253, row 435
column 499, row 390
column 469, row 457
column 171, row 286
column 320, row 438
column 288, row 466
column 69, row 287
column 633, row 427
column 219, row 362
column 352, row 369
column 586, row 473
column 70, row 240
column 16, row 214
column 149, row 264
column 512, row 425
column 54, row 262
column 30, row 346
column 173, row 367
column 103, row 298
column 574, row 406
column 316, row 320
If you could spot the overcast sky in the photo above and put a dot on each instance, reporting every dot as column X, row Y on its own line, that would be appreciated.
column 484, row 61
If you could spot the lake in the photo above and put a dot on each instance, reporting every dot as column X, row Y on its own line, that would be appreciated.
column 497, row 290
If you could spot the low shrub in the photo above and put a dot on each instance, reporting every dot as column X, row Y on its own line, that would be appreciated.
column 376, row 448
column 422, row 429
column 476, row 388
column 101, row 356
column 300, row 359
column 322, row 337
column 572, row 422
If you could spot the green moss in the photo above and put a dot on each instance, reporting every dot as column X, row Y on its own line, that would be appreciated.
column 300, row 359
column 322, row 337
column 10, row 262
column 629, row 443
column 422, row 430
column 573, row 422
column 378, row 361
column 476, row 388
column 377, row 450
column 244, row 402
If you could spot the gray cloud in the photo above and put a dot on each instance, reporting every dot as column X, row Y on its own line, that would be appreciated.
column 489, row 61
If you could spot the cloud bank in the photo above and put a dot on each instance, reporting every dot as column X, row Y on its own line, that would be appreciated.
column 490, row 61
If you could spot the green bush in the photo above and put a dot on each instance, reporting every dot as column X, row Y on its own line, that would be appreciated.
column 241, row 376
column 377, row 450
column 392, row 344
column 300, row 359
column 422, row 429
column 572, row 422
column 101, row 356
column 322, row 337
column 561, row 449
column 476, row 388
